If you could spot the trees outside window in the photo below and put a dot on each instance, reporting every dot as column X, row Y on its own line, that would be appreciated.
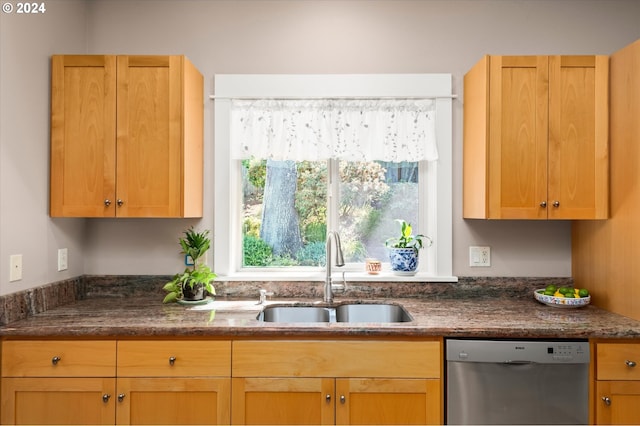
column 287, row 205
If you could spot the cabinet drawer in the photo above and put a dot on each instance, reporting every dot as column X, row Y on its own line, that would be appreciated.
column 174, row 358
column 58, row 358
column 618, row 361
column 336, row 359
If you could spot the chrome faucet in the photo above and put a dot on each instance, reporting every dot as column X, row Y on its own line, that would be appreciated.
column 328, row 285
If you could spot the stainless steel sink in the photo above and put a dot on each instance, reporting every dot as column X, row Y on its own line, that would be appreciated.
column 372, row 312
column 344, row 313
column 295, row 314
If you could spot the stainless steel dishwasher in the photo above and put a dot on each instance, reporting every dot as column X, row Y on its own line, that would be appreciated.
column 517, row 382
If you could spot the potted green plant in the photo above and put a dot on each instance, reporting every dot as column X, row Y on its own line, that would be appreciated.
column 403, row 250
column 196, row 281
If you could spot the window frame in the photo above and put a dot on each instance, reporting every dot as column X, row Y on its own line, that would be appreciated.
column 435, row 262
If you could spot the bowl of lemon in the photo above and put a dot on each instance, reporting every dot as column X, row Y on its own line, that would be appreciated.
column 563, row 297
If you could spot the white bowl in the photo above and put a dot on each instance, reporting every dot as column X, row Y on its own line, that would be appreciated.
column 561, row 302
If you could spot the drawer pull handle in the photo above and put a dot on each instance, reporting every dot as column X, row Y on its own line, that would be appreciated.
column 106, row 397
column 607, row 400
column 121, row 397
column 630, row 363
column 172, row 360
column 342, row 399
column 55, row 360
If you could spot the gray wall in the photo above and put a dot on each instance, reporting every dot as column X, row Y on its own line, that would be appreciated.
column 271, row 36
column 26, row 44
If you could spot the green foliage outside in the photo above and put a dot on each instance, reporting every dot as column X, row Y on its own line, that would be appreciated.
column 365, row 194
column 256, row 252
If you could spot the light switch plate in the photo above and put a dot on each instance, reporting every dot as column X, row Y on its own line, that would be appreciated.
column 63, row 259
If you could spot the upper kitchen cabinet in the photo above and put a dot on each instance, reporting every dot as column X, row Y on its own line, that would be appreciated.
column 126, row 136
column 536, row 138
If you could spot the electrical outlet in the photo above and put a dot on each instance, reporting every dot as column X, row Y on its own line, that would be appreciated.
column 479, row 256
column 15, row 267
column 63, row 260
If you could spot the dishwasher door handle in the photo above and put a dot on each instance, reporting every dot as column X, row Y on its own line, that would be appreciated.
column 518, row 362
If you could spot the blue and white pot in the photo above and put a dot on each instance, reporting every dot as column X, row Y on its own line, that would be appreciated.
column 404, row 261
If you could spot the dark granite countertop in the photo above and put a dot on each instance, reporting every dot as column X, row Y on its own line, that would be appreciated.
column 481, row 317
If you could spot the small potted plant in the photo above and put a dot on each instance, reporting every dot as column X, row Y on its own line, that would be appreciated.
column 195, row 282
column 403, row 250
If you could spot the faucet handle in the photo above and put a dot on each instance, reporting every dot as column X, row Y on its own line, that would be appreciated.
column 342, row 288
column 263, row 296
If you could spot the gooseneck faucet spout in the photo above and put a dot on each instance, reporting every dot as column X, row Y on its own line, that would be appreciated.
column 328, row 290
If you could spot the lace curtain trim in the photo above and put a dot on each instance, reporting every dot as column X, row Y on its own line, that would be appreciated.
column 353, row 130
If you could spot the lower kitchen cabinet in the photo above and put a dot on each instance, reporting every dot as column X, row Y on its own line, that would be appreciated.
column 283, row 400
column 387, row 401
column 327, row 401
column 115, row 382
column 173, row 382
column 336, row 382
column 173, row 401
column 617, row 395
column 58, row 382
column 54, row 400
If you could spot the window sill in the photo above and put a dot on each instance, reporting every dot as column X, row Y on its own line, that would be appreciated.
column 353, row 276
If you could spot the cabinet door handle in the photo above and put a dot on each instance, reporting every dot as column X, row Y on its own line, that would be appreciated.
column 172, row 360
column 106, row 397
column 556, row 203
column 55, row 360
column 607, row 400
column 543, row 204
column 121, row 397
column 107, row 202
column 328, row 398
column 630, row 363
column 119, row 202
column 343, row 399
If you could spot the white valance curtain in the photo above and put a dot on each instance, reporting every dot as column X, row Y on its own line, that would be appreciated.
column 318, row 129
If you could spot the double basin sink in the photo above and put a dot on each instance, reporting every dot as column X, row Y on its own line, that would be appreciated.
column 342, row 313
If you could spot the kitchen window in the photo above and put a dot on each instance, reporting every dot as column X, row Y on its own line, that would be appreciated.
column 296, row 156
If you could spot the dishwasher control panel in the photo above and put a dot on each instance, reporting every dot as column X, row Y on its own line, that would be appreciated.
column 518, row 351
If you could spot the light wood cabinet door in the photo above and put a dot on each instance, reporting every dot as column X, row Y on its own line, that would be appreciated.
column 283, row 401
column 518, row 114
column 83, row 136
column 153, row 157
column 127, row 136
column 536, row 138
column 388, row 401
column 53, row 400
column 176, row 400
column 336, row 382
column 578, row 137
column 618, row 402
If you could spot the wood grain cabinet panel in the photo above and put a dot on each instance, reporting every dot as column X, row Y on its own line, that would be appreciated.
column 337, row 382
column 177, row 358
column 173, row 401
column 58, row 382
column 58, row 358
column 116, row 382
column 126, row 136
column 617, row 383
column 58, row 400
column 536, row 138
